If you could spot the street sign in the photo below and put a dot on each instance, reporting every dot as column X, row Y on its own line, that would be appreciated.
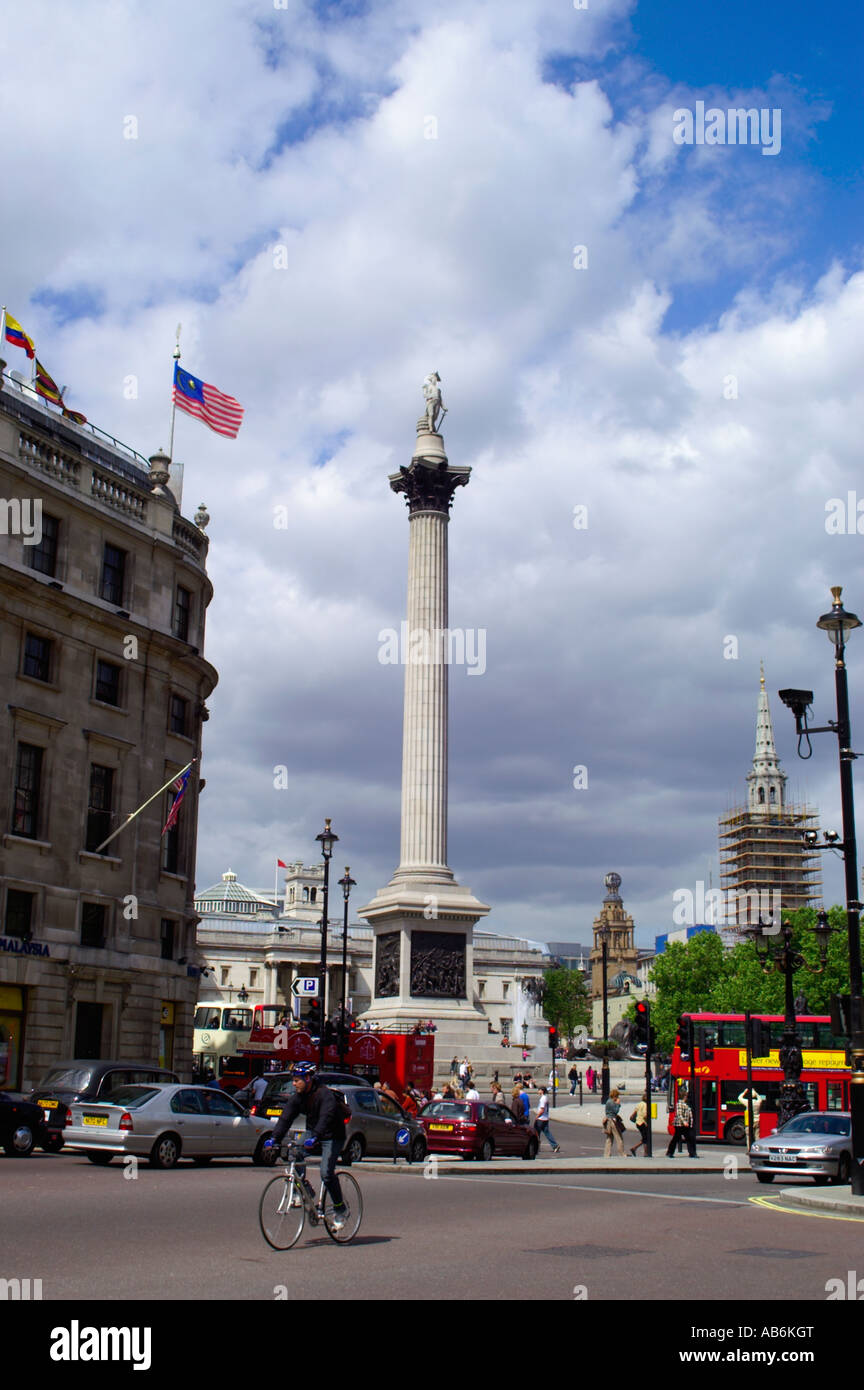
column 305, row 987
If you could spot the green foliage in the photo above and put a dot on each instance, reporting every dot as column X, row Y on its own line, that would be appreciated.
column 565, row 1001
column 699, row 976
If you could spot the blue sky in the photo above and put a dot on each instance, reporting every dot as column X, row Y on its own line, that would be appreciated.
column 698, row 385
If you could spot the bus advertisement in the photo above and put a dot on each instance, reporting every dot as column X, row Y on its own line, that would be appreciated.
column 396, row 1058
column 718, row 1069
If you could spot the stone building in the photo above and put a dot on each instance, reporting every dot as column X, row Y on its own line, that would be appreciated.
column 104, row 598
column 617, row 927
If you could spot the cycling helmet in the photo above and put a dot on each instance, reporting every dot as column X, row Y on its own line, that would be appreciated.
column 303, row 1071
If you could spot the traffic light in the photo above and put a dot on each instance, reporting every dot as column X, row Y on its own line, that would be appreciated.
column 313, row 1017
column 553, row 1037
column 705, row 1040
column 760, row 1038
column 643, row 1023
column 685, row 1035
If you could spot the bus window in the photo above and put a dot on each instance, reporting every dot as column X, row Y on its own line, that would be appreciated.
column 237, row 1019
column 730, row 1034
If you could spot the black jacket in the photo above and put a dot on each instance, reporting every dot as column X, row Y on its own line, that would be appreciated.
column 323, row 1111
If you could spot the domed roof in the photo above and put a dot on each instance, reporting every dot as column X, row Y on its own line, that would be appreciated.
column 230, row 896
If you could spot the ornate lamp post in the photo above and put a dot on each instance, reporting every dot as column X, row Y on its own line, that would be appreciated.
column 787, row 960
column 346, row 884
column 326, row 840
column 603, row 933
column 839, row 624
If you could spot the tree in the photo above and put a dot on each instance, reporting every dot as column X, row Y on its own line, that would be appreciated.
column 686, row 975
column 563, row 997
column 747, row 986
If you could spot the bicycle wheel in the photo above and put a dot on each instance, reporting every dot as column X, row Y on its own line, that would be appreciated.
column 282, row 1212
column 352, row 1215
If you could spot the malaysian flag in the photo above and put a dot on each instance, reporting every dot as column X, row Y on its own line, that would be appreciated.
column 180, row 790
column 222, row 413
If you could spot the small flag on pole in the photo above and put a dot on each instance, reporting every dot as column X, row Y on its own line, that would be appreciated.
column 281, row 865
column 46, row 386
column 180, row 788
column 222, row 413
column 15, row 334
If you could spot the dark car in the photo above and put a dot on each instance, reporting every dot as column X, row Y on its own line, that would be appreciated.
column 88, row 1079
column 280, row 1085
column 379, row 1128
column 476, row 1130
column 23, row 1126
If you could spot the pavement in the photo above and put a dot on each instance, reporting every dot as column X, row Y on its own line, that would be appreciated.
column 839, row 1200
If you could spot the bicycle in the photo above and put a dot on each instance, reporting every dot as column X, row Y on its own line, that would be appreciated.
column 289, row 1198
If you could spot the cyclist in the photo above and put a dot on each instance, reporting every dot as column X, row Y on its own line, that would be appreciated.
column 324, row 1124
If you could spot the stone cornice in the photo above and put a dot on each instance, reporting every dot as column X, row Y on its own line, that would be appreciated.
column 429, row 484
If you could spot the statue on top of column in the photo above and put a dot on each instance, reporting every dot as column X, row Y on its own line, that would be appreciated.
column 435, row 407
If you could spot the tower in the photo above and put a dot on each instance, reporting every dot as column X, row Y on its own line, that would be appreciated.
column 765, row 864
column 622, row 955
column 423, row 919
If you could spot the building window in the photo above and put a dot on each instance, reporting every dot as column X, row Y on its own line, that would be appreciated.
column 178, row 721
column 28, row 784
column 506, row 1024
column 253, row 979
column 37, row 657
column 291, row 895
column 113, row 574
column 224, row 976
column 481, row 989
column 506, row 990
column 305, row 895
column 167, row 938
column 107, row 683
column 761, row 796
column 43, row 557
column 99, row 806
column 313, row 895
column 171, row 840
column 93, row 920
column 19, row 914
column 182, row 613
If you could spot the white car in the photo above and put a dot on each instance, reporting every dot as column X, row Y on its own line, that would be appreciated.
column 164, row 1123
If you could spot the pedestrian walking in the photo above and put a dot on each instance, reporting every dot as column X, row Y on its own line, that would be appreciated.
column 573, row 1078
column 541, row 1123
column 454, row 1067
column 516, row 1105
column 589, row 1078
column 640, row 1120
column 612, row 1125
column 682, row 1127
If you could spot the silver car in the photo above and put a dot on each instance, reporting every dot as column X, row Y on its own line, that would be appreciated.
column 164, row 1123
column 816, row 1144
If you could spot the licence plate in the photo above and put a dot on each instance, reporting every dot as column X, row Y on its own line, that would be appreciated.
column 446, row 1129
column 49, row 1104
column 96, row 1120
column 273, row 1112
column 781, row 1158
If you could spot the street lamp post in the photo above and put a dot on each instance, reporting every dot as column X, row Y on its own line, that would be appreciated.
column 346, row 884
column 604, row 1064
column 787, row 960
column 326, row 840
column 838, row 624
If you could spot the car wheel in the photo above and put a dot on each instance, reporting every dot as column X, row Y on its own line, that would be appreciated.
column 765, row 1177
column 54, row 1144
column 487, row 1151
column 844, row 1170
column 354, row 1150
column 98, row 1156
column 531, row 1149
column 165, row 1153
column 419, row 1149
column 202, row 1159
column 735, row 1132
column 21, row 1142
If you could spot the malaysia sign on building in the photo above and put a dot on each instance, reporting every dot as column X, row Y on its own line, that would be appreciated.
column 17, row 946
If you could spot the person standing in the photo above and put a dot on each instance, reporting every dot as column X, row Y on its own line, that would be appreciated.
column 640, row 1119
column 589, row 1078
column 573, row 1078
column 454, row 1067
column 757, row 1106
column 610, row 1125
column 472, row 1093
column 683, row 1127
column 541, row 1123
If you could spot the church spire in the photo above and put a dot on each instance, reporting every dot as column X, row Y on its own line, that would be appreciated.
column 766, row 784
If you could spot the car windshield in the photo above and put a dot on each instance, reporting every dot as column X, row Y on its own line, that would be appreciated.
column 130, row 1097
column 818, row 1124
column 279, row 1085
column 451, row 1110
column 66, row 1079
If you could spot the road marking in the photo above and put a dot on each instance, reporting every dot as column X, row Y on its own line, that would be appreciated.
column 797, row 1211
column 615, row 1191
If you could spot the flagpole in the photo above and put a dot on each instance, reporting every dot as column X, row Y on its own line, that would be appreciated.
column 276, row 884
column 173, row 401
column 3, row 329
column 131, row 817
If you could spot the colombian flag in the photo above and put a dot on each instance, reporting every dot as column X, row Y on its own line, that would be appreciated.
column 15, row 334
column 46, row 386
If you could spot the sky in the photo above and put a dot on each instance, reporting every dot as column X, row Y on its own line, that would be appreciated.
column 650, row 352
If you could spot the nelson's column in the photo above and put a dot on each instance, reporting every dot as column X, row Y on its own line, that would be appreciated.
column 423, row 919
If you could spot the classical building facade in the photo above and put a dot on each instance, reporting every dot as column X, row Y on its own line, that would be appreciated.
column 247, row 941
column 104, row 595
column 765, row 866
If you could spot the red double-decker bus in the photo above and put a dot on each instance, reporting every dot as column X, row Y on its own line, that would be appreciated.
column 397, row 1058
column 720, row 1079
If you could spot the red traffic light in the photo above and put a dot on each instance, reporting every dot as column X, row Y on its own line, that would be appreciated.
column 641, row 1007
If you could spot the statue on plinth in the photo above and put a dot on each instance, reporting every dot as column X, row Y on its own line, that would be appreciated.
column 435, row 407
